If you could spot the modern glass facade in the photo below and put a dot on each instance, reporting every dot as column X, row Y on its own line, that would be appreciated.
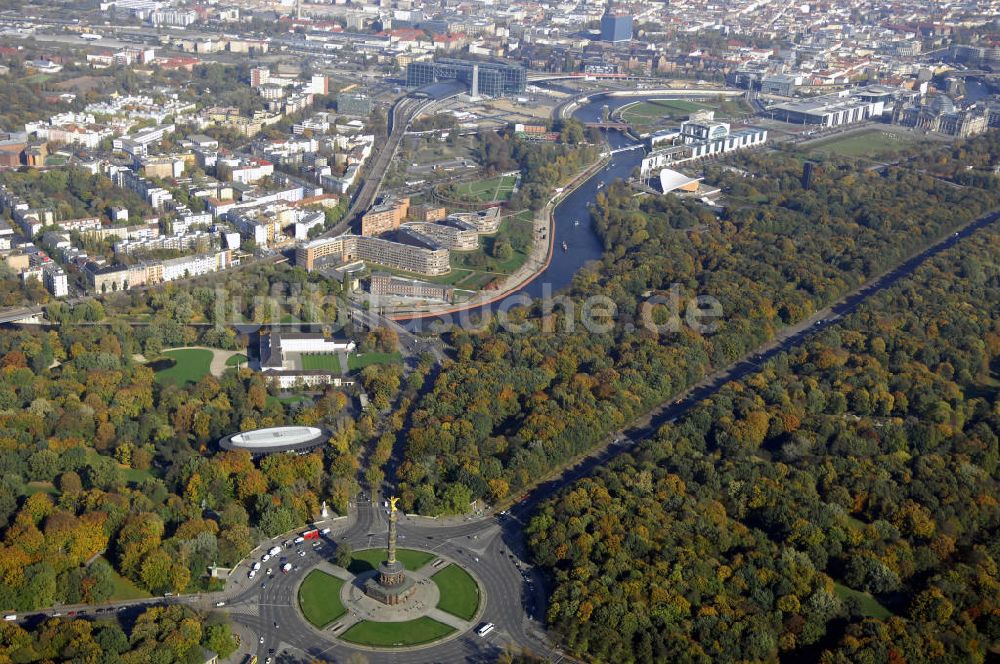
column 616, row 28
column 487, row 79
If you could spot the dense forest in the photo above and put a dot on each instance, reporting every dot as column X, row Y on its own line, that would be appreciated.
column 97, row 456
column 166, row 635
column 514, row 405
column 841, row 504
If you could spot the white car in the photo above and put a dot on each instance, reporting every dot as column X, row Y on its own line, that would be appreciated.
column 266, row 557
column 302, row 554
column 256, row 566
column 252, row 574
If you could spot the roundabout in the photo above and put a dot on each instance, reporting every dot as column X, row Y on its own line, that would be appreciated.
column 391, row 598
column 466, row 572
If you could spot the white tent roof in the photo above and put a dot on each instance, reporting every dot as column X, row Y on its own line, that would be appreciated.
column 671, row 179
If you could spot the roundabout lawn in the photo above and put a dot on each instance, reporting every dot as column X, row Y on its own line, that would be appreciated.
column 319, row 598
column 389, row 634
column 369, row 559
column 459, row 592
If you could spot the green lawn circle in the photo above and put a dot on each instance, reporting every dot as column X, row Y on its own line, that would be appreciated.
column 458, row 592
column 415, row 632
column 319, row 598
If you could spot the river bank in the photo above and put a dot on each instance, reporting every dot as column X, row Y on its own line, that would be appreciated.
column 539, row 260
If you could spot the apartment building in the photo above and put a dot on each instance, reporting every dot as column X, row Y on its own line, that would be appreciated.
column 126, row 178
column 413, row 254
column 103, row 279
column 451, row 233
column 486, row 221
column 387, row 284
column 384, row 217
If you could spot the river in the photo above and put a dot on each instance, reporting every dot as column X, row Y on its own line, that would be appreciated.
column 582, row 243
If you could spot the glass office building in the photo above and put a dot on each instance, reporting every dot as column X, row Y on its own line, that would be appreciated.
column 486, row 79
column 616, row 28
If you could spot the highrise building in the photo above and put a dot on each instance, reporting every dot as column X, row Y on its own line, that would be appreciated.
column 616, row 27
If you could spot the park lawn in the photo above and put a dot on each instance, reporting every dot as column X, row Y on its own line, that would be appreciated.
column 452, row 278
column 459, row 592
column 124, row 589
column 516, row 229
column 358, row 361
column 369, row 559
column 136, row 476
column 236, row 360
column 409, row 633
column 324, row 361
column 495, row 189
column 31, row 488
column 649, row 112
column 190, row 366
column 319, row 598
column 475, row 281
column 870, row 606
column 869, row 144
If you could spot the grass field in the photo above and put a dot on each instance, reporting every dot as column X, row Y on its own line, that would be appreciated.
column 516, row 229
column 869, row 605
column 124, row 589
column 646, row 113
column 324, row 361
column 870, row 144
column 486, row 191
column 459, row 592
column 357, row 361
column 32, row 488
column 190, row 365
column 369, row 559
column 236, row 360
column 319, row 598
column 409, row 633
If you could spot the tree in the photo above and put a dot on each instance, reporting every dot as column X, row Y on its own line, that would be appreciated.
column 343, row 555
column 502, row 249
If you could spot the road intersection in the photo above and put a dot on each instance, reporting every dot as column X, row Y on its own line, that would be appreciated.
column 268, row 606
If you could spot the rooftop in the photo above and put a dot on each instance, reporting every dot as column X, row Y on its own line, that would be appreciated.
column 275, row 439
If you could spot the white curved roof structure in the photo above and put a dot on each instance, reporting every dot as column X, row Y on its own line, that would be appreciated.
column 275, row 439
column 671, row 179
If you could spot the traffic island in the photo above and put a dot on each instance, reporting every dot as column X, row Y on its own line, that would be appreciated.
column 418, row 632
column 319, row 598
column 458, row 592
column 392, row 598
